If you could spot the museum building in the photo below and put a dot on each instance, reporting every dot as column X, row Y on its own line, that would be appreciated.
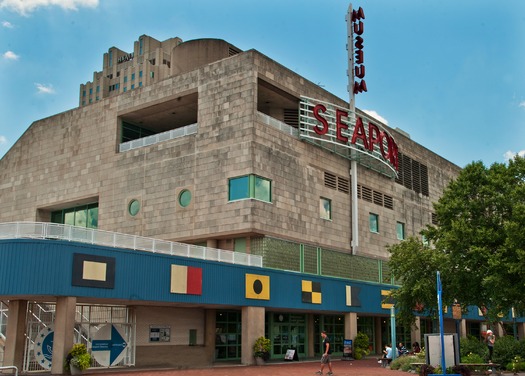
column 199, row 197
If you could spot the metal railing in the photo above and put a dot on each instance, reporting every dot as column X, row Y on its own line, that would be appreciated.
column 283, row 127
column 159, row 137
column 10, row 367
column 45, row 230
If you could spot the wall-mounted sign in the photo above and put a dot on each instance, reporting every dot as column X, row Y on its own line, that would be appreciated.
column 43, row 347
column 159, row 333
column 124, row 58
column 108, row 346
column 344, row 133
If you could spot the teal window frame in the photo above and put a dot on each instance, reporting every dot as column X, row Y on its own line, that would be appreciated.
column 184, row 198
column 325, row 208
column 134, row 207
column 400, row 230
column 250, row 187
column 82, row 216
column 374, row 223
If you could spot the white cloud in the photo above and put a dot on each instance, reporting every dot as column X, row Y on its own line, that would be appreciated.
column 24, row 7
column 510, row 154
column 3, row 140
column 7, row 24
column 45, row 89
column 375, row 115
column 10, row 55
column 522, row 104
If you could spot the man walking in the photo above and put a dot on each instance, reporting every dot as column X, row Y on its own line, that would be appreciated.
column 325, row 359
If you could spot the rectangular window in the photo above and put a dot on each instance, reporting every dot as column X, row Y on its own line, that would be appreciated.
column 83, row 93
column 82, row 216
column 125, row 89
column 140, row 74
column 400, row 230
column 325, row 206
column 125, row 79
column 132, row 86
column 250, row 186
column 98, row 89
column 132, row 76
column 90, row 90
column 374, row 223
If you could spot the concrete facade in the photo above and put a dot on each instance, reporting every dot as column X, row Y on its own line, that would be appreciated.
column 229, row 102
column 72, row 158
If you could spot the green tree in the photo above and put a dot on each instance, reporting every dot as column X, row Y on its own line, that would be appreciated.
column 478, row 245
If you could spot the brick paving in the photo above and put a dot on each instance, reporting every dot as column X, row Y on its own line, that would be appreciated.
column 366, row 367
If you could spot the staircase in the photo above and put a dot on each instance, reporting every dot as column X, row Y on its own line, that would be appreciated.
column 3, row 325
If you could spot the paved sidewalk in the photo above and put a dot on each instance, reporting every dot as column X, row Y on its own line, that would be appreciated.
column 366, row 367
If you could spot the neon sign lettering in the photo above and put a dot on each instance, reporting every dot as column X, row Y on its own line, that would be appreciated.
column 332, row 126
column 359, row 58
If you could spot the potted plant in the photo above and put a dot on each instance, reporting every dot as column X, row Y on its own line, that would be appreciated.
column 261, row 350
column 78, row 359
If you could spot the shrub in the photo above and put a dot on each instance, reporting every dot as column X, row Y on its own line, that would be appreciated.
column 472, row 345
column 261, row 348
column 461, row 370
column 426, row 369
column 505, row 349
column 78, row 356
column 361, row 345
column 403, row 363
column 472, row 358
column 517, row 365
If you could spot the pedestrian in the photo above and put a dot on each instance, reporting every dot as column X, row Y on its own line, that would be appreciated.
column 388, row 354
column 402, row 350
column 490, row 338
column 325, row 359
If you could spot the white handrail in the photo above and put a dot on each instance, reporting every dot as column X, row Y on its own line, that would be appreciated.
column 46, row 230
column 158, row 137
column 11, row 367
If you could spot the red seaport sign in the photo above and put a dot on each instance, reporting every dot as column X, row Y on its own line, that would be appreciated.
column 354, row 137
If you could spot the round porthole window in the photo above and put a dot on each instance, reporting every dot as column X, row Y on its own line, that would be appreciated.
column 184, row 198
column 134, row 207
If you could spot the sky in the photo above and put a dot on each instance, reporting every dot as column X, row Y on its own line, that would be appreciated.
column 449, row 73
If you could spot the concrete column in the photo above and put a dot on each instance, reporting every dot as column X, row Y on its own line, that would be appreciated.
column 211, row 243
column 252, row 328
column 209, row 335
column 498, row 330
column 521, row 330
column 350, row 325
column 16, row 327
column 310, row 328
column 463, row 328
column 415, row 332
column 64, row 332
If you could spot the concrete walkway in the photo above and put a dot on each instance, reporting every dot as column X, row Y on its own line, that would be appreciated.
column 366, row 367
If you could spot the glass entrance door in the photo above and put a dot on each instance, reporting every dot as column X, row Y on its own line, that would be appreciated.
column 288, row 331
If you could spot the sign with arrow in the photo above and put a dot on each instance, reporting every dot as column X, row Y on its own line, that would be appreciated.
column 109, row 345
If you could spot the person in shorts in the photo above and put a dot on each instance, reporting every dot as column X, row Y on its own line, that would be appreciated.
column 325, row 359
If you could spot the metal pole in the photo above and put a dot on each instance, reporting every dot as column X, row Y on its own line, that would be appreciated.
column 353, row 162
column 393, row 331
column 442, row 337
